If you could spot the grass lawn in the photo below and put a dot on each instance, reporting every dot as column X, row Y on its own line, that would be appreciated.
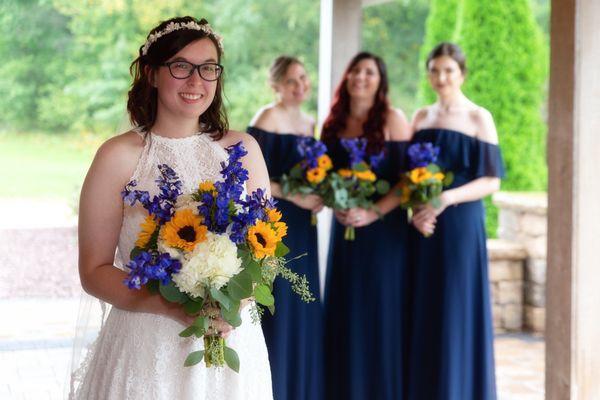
column 44, row 165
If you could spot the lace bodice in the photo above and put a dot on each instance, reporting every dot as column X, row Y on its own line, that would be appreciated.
column 139, row 355
column 194, row 158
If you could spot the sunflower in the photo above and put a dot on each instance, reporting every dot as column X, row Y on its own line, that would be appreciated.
column 207, row 186
column 273, row 215
column 405, row 196
column 367, row 175
column 184, row 230
column 419, row 175
column 315, row 175
column 345, row 173
column 325, row 162
column 439, row 176
column 281, row 228
column 263, row 239
column 148, row 227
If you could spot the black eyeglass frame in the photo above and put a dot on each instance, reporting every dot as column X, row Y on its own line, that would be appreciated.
column 195, row 67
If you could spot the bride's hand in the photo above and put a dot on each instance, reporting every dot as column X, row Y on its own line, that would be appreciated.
column 217, row 324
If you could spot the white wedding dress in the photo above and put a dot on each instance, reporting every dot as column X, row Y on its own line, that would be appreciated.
column 139, row 355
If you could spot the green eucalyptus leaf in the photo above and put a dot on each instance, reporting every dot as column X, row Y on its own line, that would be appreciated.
column 263, row 295
column 231, row 359
column 221, row 298
column 240, row 286
column 281, row 250
column 194, row 358
column 171, row 293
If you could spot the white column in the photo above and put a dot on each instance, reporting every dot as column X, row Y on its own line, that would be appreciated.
column 573, row 291
column 339, row 41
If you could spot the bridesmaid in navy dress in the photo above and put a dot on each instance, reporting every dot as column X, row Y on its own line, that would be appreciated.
column 365, row 294
column 452, row 355
column 294, row 335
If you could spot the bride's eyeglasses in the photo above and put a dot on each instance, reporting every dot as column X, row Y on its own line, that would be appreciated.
column 183, row 70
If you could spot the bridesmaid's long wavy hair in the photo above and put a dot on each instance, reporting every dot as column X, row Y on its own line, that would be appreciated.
column 142, row 103
column 340, row 108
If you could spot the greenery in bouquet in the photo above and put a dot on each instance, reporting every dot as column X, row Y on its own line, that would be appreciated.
column 209, row 250
column 308, row 175
column 354, row 186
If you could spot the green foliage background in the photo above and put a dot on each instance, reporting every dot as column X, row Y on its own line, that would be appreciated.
column 65, row 69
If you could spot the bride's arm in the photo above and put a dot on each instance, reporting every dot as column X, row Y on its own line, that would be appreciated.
column 100, row 219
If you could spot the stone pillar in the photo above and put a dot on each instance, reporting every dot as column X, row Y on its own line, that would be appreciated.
column 573, row 322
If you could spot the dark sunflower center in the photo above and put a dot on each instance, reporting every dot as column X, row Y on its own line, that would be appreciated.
column 187, row 233
column 261, row 239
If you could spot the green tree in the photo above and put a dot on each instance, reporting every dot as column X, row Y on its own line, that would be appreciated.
column 394, row 31
column 442, row 25
column 508, row 65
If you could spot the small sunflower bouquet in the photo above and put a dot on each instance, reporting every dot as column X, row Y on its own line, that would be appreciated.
column 307, row 176
column 424, row 182
column 209, row 250
column 354, row 186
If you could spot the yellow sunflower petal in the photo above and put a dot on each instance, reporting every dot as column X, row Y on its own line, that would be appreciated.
column 148, row 227
column 184, row 230
column 263, row 239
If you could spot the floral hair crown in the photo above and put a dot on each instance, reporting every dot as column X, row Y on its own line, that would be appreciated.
column 175, row 26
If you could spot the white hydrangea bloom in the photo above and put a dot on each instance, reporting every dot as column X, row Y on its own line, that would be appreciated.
column 211, row 265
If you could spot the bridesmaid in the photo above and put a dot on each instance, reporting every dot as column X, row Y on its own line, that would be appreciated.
column 452, row 356
column 365, row 293
column 294, row 334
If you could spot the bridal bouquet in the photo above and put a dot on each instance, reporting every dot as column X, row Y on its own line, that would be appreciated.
column 354, row 186
column 424, row 182
column 307, row 176
column 209, row 250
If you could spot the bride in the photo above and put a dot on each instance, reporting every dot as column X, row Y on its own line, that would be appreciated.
column 176, row 103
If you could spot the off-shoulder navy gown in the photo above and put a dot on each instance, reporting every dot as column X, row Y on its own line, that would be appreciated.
column 294, row 335
column 365, row 299
column 451, row 346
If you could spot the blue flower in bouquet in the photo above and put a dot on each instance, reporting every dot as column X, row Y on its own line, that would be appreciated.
column 149, row 265
column 356, row 148
column 161, row 205
column 422, row 154
column 310, row 150
column 376, row 159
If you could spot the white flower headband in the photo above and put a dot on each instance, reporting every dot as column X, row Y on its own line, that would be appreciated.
column 175, row 26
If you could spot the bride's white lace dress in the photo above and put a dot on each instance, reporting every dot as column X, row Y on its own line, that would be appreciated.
column 139, row 355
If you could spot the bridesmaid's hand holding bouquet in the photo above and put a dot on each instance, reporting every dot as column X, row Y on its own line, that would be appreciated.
column 306, row 177
column 423, row 184
column 353, row 187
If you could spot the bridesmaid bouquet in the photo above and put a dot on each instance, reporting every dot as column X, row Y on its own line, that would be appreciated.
column 353, row 187
column 424, row 182
column 307, row 176
column 210, row 249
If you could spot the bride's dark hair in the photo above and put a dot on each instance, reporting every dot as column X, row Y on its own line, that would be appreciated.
column 142, row 103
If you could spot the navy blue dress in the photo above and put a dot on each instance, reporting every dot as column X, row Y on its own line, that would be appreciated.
column 365, row 298
column 294, row 335
column 451, row 347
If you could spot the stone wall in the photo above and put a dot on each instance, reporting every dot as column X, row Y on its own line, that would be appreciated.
column 506, row 271
column 522, row 224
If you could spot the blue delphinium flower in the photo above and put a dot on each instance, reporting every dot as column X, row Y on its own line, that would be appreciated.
column 356, row 148
column 150, row 265
column 422, row 154
column 376, row 159
column 310, row 150
column 161, row 206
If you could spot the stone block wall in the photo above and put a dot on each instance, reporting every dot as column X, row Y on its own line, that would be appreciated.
column 506, row 272
column 522, row 222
